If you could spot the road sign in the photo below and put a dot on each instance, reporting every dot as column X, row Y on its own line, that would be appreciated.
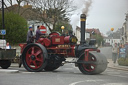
column 43, row 29
column 2, row 32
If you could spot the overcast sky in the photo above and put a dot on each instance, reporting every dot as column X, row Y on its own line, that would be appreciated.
column 103, row 14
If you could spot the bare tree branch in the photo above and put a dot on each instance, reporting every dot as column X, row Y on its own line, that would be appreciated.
column 56, row 10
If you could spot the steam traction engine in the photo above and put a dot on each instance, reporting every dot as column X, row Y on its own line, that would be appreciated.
column 48, row 53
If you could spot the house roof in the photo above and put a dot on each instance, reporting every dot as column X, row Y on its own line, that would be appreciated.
column 90, row 30
column 97, row 31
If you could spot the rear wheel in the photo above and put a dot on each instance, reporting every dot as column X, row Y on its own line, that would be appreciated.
column 98, row 65
column 5, row 64
column 34, row 57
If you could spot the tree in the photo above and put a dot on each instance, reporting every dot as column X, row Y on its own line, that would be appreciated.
column 65, row 24
column 16, row 28
column 99, row 39
column 53, row 11
column 10, row 3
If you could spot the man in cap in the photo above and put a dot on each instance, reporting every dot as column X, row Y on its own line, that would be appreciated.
column 30, row 36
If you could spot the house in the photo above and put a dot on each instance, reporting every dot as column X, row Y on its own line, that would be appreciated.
column 124, row 35
column 93, row 30
column 78, row 34
column 113, row 38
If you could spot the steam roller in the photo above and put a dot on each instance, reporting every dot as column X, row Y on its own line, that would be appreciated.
column 49, row 53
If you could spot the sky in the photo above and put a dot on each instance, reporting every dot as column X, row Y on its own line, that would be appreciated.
column 103, row 14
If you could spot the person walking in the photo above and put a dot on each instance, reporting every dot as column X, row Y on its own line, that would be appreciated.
column 114, row 53
column 30, row 36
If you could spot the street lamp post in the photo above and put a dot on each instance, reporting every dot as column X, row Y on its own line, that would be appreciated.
column 62, row 27
column 112, row 29
column 3, row 26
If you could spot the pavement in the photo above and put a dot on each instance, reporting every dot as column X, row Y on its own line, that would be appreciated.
column 110, row 65
column 65, row 75
column 116, row 65
column 8, row 71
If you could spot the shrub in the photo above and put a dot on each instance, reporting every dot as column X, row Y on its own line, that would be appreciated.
column 123, row 61
column 16, row 28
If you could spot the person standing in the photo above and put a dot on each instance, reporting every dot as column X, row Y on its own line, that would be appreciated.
column 30, row 36
column 120, row 46
column 114, row 53
column 8, row 46
column 122, row 51
column 38, row 32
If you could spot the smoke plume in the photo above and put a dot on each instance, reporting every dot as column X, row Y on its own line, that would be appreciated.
column 82, row 7
column 87, row 5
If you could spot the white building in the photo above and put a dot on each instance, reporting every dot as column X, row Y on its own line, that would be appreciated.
column 124, row 35
column 112, row 41
column 78, row 35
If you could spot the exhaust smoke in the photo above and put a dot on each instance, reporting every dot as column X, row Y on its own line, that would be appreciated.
column 87, row 5
column 82, row 7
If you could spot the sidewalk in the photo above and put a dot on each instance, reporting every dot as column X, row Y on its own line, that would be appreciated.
column 116, row 66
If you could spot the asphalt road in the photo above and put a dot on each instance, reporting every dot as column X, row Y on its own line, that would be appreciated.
column 107, row 51
column 65, row 75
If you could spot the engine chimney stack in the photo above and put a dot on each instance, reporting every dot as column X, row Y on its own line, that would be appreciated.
column 83, row 23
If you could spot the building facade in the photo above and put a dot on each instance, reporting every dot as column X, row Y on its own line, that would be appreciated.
column 78, row 35
column 111, row 41
column 124, row 35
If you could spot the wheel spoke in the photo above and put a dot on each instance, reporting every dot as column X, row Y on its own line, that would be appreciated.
column 30, row 61
column 32, row 50
column 40, row 60
column 35, row 64
column 38, row 52
column 29, row 55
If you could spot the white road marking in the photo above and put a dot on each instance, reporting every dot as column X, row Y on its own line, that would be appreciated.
column 27, row 72
column 76, row 82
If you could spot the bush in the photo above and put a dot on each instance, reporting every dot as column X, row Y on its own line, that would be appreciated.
column 123, row 61
column 16, row 28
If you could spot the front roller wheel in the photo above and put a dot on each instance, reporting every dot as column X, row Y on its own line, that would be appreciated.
column 34, row 57
column 98, row 65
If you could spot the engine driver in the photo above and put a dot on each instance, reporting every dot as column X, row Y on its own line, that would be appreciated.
column 38, row 32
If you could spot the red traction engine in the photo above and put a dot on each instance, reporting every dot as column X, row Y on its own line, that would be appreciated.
column 48, row 53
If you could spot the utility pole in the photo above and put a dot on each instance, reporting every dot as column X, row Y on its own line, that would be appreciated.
column 3, row 26
column 112, row 43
